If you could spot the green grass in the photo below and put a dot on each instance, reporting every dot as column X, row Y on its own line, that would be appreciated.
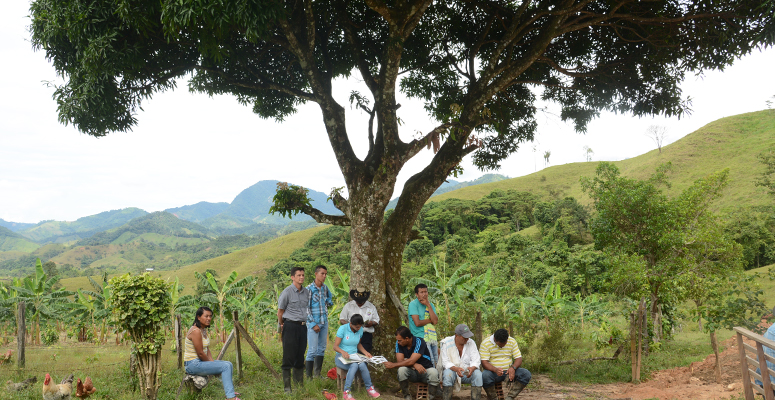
column 731, row 142
column 108, row 366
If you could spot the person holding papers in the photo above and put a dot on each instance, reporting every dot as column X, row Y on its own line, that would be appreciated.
column 347, row 344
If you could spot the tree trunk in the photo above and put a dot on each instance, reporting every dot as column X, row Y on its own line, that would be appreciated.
column 655, row 310
column 147, row 372
column 714, row 344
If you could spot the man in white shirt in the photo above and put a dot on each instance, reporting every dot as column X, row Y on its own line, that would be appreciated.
column 461, row 362
column 360, row 305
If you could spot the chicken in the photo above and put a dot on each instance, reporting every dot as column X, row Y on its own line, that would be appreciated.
column 62, row 391
column 84, row 389
column 21, row 385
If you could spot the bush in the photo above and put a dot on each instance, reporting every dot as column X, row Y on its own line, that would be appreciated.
column 50, row 336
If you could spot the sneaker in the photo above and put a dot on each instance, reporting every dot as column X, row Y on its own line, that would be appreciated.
column 372, row 392
column 347, row 395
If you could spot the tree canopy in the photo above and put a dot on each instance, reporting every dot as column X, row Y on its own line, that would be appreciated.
column 478, row 66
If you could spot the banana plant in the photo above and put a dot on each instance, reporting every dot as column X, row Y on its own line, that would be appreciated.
column 38, row 290
column 481, row 295
column 219, row 294
column 340, row 292
column 549, row 303
column 448, row 287
column 588, row 308
column 255, row 306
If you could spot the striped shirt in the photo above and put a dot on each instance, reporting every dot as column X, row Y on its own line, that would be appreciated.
column 190, row 352
column 319, row 301
column 500, row 357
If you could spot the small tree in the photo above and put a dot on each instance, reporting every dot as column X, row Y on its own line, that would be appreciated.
column 547, row 153
column 767, row 178
column 658, row 134
column 141, row 306
column 730, row 302
column 661, row 240
column 588, row 153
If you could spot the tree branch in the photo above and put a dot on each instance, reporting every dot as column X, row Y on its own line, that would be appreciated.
column 323, row 218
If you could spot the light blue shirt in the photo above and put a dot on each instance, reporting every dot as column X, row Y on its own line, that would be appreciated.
column 350, row 339
column 416, row 308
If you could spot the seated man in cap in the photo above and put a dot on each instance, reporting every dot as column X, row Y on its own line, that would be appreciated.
column 414, row 364
column 502, row 359
column 360, row 304
column 460, row 359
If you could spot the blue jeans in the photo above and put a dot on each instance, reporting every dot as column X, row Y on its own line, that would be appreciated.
column 433, row 348
column 222, row 368
column 316, row 342
column 475, row 379
column 352, row 369
column 489, row 378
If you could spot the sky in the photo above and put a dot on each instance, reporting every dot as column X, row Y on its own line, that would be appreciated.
column 188, row 148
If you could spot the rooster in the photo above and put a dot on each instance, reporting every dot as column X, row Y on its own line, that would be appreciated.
column 84, row 389
column 62, row 391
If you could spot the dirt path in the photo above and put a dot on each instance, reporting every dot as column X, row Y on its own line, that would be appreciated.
column 693, row 382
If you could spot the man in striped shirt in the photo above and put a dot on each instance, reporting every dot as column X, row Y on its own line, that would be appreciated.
column 502, row 359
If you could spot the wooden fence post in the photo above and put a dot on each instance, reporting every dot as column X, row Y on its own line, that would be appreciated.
column 239, row 348
column 634, row 343
column 238, row 327
column 179, row 339
column 21, row 334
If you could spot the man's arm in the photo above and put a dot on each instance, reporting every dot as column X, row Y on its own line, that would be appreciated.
column 432, row 314
column 513, row 368
column 489, row 367
column 401, row 361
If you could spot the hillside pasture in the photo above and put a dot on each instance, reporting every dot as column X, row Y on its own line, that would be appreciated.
column 731, row 142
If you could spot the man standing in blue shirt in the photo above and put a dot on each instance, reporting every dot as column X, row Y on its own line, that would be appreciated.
column 422, row 320
column 317, row 321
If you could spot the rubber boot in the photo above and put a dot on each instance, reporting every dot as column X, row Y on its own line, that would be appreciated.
column 492, row 394
column 516, row 388
column 432, row 390
column 287, row 380
column 309, row 365
column 476, row 392
column 405, row 389
column 446, row 393
column 318, row 366
column 298, row 377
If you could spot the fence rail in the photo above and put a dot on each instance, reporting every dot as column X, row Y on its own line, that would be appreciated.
column 750, row 364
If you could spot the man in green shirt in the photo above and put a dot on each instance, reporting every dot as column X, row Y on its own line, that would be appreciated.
column 422, row 320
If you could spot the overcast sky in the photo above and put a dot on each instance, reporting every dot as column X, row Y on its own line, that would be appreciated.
column 188, row 147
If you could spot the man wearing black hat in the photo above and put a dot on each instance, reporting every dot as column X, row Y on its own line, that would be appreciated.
column 360, row 305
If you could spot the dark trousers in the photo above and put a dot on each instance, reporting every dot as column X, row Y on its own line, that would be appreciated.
column 294, row 345
column 366, row 341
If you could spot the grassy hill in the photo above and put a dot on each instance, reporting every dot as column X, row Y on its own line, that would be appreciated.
column 250, row 261
column 731, row 142
column 160, row 226
column 62, row 231
column 10, row 241
column 15, row 226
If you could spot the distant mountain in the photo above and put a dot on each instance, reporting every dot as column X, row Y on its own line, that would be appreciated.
column 15, row 226
column 450, row 185
column 253, row 204
column 10, row 241
column 61, row 231
column 160, row 223
column 198, row 212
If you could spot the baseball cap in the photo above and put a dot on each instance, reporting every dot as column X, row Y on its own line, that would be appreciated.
column 463, row 331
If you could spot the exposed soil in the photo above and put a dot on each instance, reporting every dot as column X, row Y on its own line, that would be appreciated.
column 696, row 381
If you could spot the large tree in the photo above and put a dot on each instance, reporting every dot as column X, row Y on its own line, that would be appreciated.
column 477, row 65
